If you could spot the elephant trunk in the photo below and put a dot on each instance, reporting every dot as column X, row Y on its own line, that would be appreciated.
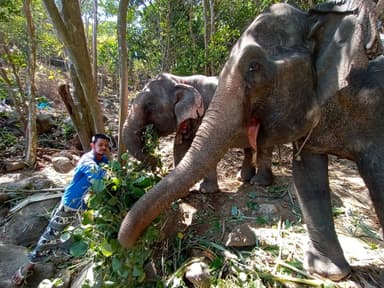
column 133, row 136
column 210, row 144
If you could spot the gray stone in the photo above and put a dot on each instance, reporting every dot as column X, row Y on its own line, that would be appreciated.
column 241, row 236
column 62, row 164
column 11, row 166
column 35, row 182
column 27, row 225
column 44, row 123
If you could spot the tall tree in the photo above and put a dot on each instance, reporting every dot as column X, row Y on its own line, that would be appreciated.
column 123, row 83
column 206, row 35
column 31, row 135
column 70, row 30
column 212, row 31
column 94, row 42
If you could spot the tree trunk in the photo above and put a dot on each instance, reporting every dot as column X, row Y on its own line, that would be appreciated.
column 74, row 113
column 31, row 135
column 70, row 30
column 94, row 42
column 380, row 10
column 192, row 36
column 206, row 37
column 123, row 57
column 212, row 14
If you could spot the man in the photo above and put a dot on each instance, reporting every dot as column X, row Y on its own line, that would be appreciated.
column 87, row 170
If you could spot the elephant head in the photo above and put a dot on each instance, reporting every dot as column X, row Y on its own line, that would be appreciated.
column 167, row 102
column 273, row 85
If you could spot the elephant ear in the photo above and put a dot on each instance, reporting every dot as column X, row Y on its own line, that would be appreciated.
column 346, row 37
column 189, row 103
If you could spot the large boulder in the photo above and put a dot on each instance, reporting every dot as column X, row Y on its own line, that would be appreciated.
column 26, row 226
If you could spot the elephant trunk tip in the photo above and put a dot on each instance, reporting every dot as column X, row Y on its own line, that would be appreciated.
column 125, row 240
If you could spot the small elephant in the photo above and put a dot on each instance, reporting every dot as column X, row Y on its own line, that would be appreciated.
column 312, row 78
column 177, row 104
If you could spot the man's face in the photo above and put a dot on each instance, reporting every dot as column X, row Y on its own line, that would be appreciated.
column 100, row 147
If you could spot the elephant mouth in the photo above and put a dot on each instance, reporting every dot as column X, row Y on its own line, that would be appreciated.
column 253, row 131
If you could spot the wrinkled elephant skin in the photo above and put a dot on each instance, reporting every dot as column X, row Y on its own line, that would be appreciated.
column 177, row 104
column 318, row 90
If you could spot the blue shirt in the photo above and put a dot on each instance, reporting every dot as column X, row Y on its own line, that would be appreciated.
column 86, row 170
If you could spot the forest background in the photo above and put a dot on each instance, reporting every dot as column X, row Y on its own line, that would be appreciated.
column 89, row 51
column 100, row 48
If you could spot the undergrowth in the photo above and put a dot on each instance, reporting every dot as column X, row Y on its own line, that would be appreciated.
column 96, row 238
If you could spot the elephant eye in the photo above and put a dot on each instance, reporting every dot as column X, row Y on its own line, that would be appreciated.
column 254, row 66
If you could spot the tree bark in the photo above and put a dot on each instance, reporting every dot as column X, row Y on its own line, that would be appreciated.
column 380, row 10
column 206, row 36
column 70, row 30
column 74, row 113
column 212, row 17
column 94, row 42
column 31, row 135
column 123, row 83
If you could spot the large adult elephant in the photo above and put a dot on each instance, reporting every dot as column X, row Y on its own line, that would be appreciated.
column 294, row 77
column 177, row 104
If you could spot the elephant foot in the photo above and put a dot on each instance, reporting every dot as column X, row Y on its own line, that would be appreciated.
column 209, row 187
column 262, row 178
column 334, row 268
column 245, row 174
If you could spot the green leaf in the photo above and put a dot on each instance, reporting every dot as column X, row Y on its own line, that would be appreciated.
column 113, row 201
column 57, row 282
column 87, row 217
column 143, row 181
column 124, row 156
column 79, row 248
column 106, row 249
column 116, row 264
column 98, row 185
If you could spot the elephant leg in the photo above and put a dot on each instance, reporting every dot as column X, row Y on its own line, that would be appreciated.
column 263, row 175
column 247, row 168
column 179, row 149
column 324, row 255
column 209, row 183
column 371, row 169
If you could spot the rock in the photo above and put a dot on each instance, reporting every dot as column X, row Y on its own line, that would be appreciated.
column 241, row 236
column 37, row 181
column 27, row 225
column 198, row 274
column 44, row 123
column 11, row 166
column 62, row 164
column 268, row 209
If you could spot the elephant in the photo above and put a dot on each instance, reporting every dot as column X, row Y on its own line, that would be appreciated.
column 177, row 104
column 311, row 78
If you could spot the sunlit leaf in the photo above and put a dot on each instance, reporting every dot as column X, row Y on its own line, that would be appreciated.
column 106, row 249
